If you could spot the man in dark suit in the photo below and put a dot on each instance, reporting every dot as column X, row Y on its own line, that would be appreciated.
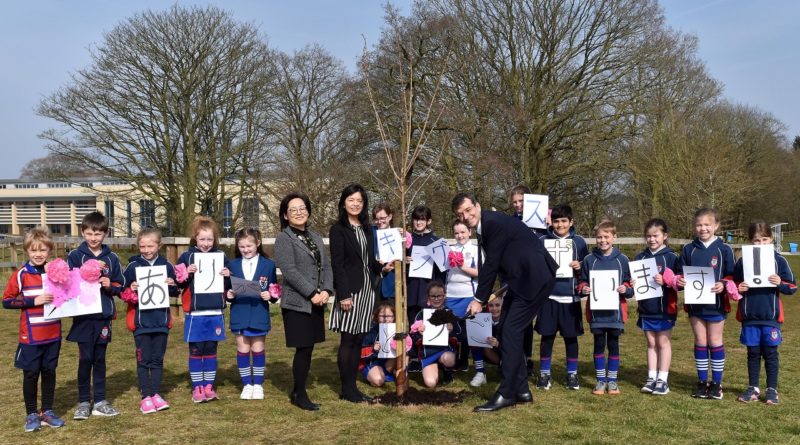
column 517, row 255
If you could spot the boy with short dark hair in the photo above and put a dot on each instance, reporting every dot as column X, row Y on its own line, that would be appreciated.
column 606, row 325
column 562, row 311
column 93, row 332
column 39, row 339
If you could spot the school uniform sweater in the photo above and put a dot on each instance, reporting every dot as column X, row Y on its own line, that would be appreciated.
column 616, row 261
column 250, row 311
column 417, row 287
column 113, row 271
column 666, row 306
column 565, row 287
column 199, row 301
column 763, row 305
column 151, row 320
column 719, row 257
column 24, row 285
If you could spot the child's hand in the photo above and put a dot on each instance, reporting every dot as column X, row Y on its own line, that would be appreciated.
column 492, row 341
column 170, row 282
column 774, row 279
column 621, row 289
column 192, row 268
column 449, row 327
column 388, row 267
column 575, row 265
column 134, row 286
column 681, row 281
column 586, row 290
column 743, row 287
column 633, row 282
column 719, row 286
column 265, row 296
column 377, row 345
column 43, row 299
column 659, row 279
column 105, row 282
column 422, row 328
column 225, row 272
column 231, row 295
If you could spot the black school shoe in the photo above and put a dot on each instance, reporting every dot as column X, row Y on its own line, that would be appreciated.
column 715, row 391
column 701, row 392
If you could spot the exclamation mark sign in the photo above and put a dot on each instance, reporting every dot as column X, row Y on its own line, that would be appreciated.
column 757, row 265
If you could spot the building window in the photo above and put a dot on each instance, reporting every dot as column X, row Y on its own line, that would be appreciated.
column 129, row 209
column 109, row 211
column 28, row 186
column 147, row 213
column 227, row 217
column 250, row 212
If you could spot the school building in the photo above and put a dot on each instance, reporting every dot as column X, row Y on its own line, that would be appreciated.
column 61, row 205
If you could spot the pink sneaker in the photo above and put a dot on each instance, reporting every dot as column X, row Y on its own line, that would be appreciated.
column 198, row 396
column 209, row 392
column 159, row 403
column 147, row 406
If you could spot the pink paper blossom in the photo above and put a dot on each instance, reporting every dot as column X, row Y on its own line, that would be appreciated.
column 670, row 279
column 408, row 240
column 129, row 296
column 180, row 273
column 455, row 258
column 275, row 291
column 733, row 291
column 415, row 327
column 91, row 270
column 58, row 271
column 393, row 344
column 67, row 289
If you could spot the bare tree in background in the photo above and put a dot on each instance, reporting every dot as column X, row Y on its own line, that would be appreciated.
column 168, row 105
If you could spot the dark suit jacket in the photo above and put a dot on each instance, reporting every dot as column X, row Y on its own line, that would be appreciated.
column 512, row 250
column 348, row 275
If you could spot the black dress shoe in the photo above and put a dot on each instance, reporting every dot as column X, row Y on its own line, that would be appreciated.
column 304, row 403
column 525, row 397
column 496, row 403
column 356, row 398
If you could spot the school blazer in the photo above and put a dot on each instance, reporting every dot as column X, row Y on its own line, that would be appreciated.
column 301, row 277
column 348, row 272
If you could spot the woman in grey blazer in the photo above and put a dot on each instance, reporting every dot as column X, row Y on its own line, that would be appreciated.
column 307, row 285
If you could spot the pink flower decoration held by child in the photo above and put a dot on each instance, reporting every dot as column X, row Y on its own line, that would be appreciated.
column 733, row 291
column 456, row 259
column 393, row 344
column 275, row 291
column 409, row 240
column 180, row 273
column 129, row 296
column 57, row 271
column 91, row 270
column 670, row 279
column 415, row 327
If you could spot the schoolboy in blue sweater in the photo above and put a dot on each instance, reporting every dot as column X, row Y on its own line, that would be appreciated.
column 562, row 311
column 93, row 332
column 708, row 320
column 606, row 325
column 761, row 313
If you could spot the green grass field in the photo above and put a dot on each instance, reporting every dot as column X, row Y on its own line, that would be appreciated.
column 557, row 416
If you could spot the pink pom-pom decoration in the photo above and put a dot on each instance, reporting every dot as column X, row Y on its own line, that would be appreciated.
column 456, row 259
column 68, row 286
column 181, row 274
column 58, row 271
column 129, row 296
column 415, row 327
column 393, row 344
column 91, row 270
column 275, row 291
column 670, row 279
column 733, row 290
column 408, row 240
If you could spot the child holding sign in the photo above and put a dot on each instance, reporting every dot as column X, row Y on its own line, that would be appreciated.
column 434, row 357
column 708, row 320
column 562, row 311
column 39, row 339
column 421, row 236
column 657, row 315
column 374, row 369
column 150, row 327
column 606, row 324
column 250, row 320
column 761, row 313
column 204, row 325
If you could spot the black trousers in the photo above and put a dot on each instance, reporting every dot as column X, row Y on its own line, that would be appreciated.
column 516, row 317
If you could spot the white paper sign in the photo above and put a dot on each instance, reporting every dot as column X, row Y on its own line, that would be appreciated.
column 390, row 245
column 644, row 274
column 561, row 250
column 207, row 279
column 153, row 290
column 385, row 335
column 534, row 211
column 478, row 329
column 758, row 263
column 604, row 284
column 434, row 335
column 438, row 251
column 421, row 263
column 86, row 302
column 699, row 281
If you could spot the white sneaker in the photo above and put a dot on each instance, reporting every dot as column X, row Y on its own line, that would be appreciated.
column 247, row 392
column 258, row 392
column 478, row 380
